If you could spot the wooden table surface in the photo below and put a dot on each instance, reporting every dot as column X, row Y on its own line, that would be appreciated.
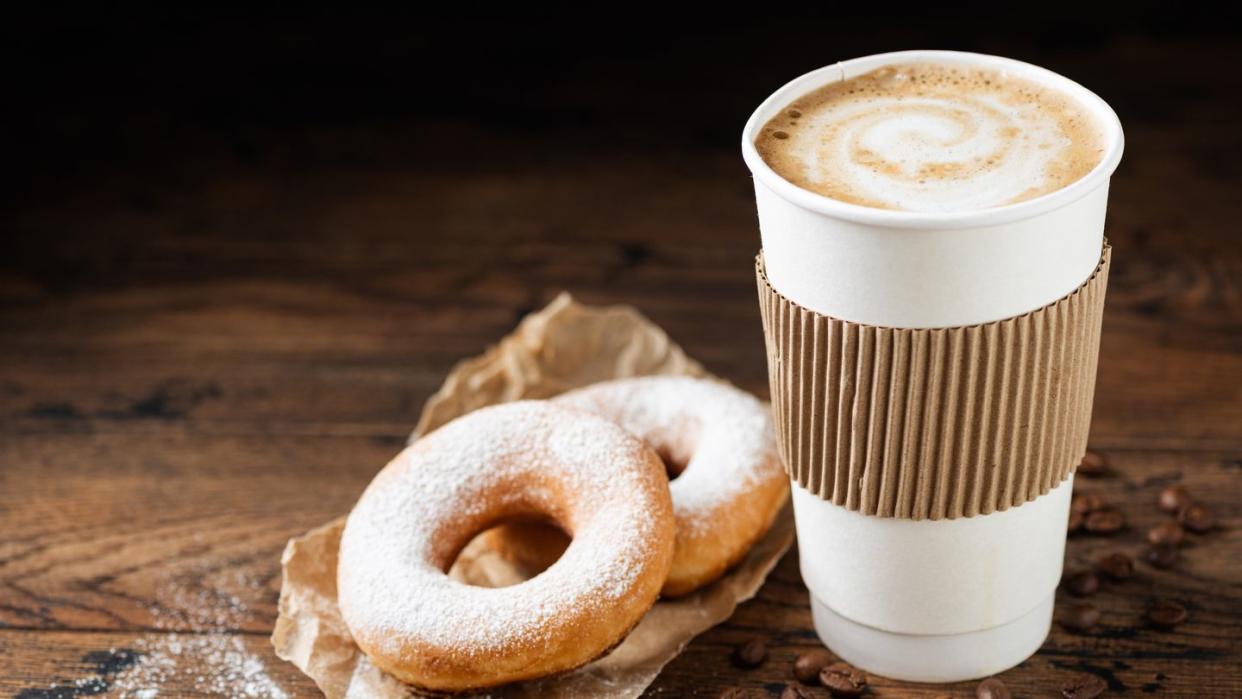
column 206, row 355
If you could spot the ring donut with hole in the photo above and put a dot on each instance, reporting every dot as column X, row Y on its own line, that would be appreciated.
column 523, row 459
column 719, row 446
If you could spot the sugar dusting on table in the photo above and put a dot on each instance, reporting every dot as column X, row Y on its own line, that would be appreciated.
column 196, row 653
column 214, row 664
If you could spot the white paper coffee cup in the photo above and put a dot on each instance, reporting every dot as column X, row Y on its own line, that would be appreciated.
column 950, row 599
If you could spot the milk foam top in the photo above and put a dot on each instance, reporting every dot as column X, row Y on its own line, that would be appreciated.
column 926, row 136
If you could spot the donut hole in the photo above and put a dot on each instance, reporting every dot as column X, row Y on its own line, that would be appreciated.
column 533, row 544
column 674, row 464
column 676, row 446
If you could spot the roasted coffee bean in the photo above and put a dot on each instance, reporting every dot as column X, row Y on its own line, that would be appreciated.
column 796, row 691
column 1167, row 532
column 750, row 654
column 1116, row 566
column 1075, row 521
column 842, row 680
column 992, row 688
column 1108, row 520
column 1165, row 614
column 738, row 693
column 1162, row 556
column 1086, row 503
column 1173, row 498
column 1081, row 584
column 1196, row 518
column 1080, row 616
column 1093, row 464
column 1084, row 687
column 807, row 665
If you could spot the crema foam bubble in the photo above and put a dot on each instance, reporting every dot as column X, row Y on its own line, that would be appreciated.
column 932, row 137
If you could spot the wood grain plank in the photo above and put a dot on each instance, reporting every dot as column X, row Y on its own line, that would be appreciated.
column 186, row 532
column 248, row 356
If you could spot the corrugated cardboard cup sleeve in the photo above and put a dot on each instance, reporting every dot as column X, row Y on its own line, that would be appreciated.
column 933, row 423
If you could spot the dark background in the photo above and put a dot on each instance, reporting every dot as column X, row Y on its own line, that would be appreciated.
column 239, row 251
column 154, row 93
column 136, row 108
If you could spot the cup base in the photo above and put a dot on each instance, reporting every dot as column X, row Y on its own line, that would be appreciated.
column 947, row 658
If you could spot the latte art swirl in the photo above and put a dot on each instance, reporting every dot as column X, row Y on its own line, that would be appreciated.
column 931, row 137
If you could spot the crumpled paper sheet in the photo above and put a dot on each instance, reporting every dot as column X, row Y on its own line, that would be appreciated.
column 563, row 346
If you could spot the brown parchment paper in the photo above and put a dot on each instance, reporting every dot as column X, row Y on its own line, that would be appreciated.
column 563, row 346
column 934, row 423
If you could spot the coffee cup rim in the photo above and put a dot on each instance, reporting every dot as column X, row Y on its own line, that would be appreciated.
column 1007, row 213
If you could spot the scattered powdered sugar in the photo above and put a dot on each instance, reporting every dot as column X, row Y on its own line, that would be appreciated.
column 724, row 433
column 212, row 664
column 407, row 526
column 197, row 605
column 204, row 597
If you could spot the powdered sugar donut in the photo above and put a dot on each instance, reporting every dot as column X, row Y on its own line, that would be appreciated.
column 718, row 444
column 524, row 459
